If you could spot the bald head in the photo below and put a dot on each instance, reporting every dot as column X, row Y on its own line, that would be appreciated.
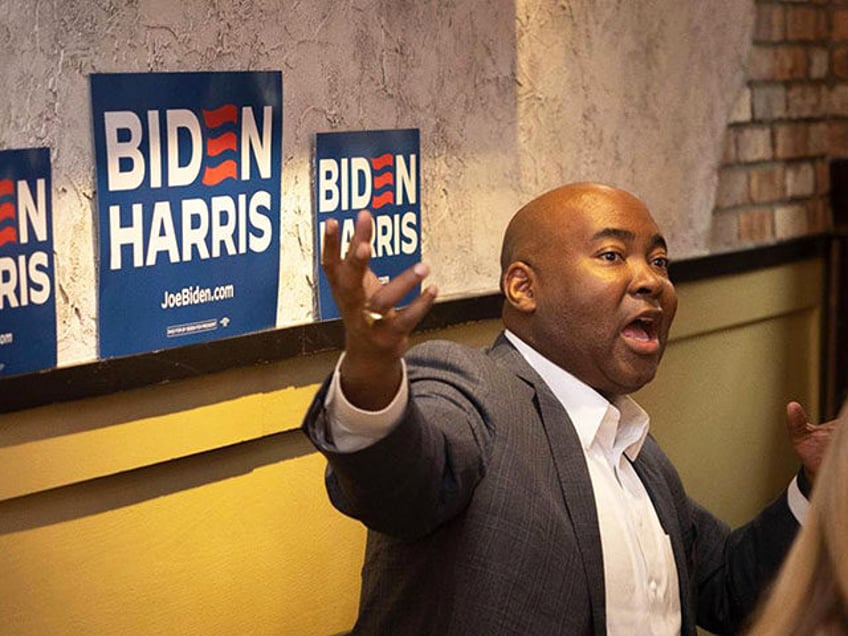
column 536, row 226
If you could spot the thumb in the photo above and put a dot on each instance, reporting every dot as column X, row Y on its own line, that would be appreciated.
column 796, row 419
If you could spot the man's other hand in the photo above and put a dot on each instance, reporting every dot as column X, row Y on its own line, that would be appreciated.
column 809, row 440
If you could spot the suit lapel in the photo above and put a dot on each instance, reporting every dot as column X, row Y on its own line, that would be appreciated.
column 573, row 473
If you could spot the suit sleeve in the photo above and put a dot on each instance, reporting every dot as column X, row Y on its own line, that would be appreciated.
column 425, row 471
column 734, row 568
column 722, row 572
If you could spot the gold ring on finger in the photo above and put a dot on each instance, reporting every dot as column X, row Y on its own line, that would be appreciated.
column 372, row 317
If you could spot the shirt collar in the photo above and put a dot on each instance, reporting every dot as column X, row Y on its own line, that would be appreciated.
column 618, row 427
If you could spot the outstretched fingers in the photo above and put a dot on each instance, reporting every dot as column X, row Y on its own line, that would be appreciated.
column 384, row 322
column 330, row 247
column 376, row 333
column 365, row 304
column 348, row 275
column 387, row 296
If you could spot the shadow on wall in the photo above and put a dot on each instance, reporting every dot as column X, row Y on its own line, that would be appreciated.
column 136, row 486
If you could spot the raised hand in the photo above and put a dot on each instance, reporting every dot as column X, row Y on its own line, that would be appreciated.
column 810, row 441
column 376, row 334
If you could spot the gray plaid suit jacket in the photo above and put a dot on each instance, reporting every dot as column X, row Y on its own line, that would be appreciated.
column 482, row 519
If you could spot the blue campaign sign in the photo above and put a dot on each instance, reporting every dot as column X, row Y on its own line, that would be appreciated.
column 375, row 170
column 188, row 197
column 27, row 276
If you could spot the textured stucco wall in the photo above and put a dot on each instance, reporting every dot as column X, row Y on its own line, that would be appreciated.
column 512, row 98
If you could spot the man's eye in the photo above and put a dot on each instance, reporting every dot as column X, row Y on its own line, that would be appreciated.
column 610, row 256
column 661, row 262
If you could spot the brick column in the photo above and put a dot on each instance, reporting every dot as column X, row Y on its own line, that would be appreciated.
column 789, row 120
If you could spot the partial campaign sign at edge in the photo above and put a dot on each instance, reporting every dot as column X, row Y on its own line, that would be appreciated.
column 27, row 275
column 375, row 170
column 189, row 197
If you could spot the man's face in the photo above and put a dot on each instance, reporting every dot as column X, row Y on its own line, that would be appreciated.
column 604, row 303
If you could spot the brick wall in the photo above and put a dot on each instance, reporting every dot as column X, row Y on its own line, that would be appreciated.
column 789, row 120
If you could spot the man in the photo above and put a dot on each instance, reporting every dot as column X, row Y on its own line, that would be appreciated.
column 516, row 490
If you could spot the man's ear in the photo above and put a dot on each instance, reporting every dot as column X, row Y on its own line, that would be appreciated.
column 519, row 284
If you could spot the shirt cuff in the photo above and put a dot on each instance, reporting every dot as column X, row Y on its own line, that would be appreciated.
column 352, row 428
column 798, row 503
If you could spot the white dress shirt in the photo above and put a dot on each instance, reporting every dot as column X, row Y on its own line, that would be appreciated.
column 640, row 577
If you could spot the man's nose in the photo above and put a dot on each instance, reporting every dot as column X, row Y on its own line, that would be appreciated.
column 646, row 280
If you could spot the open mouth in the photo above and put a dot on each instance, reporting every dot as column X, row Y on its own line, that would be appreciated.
column 642, row 334
column 641, row 329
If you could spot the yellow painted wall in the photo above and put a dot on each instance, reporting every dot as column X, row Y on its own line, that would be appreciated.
column 194, row 508
column 741, row 348
column 238, row 541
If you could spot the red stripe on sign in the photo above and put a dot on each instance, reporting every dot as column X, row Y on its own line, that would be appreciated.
column 378, row 163
column 6, row 187
column 8, row 235
column 380, row 200
column 381, row 181
column 216, row 145
column 213, row 175
column 7, row 211
column 226, row 114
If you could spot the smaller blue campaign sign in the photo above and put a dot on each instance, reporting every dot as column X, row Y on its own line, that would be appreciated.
column 379, row 171
column 188, row 197
column 27, row 280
